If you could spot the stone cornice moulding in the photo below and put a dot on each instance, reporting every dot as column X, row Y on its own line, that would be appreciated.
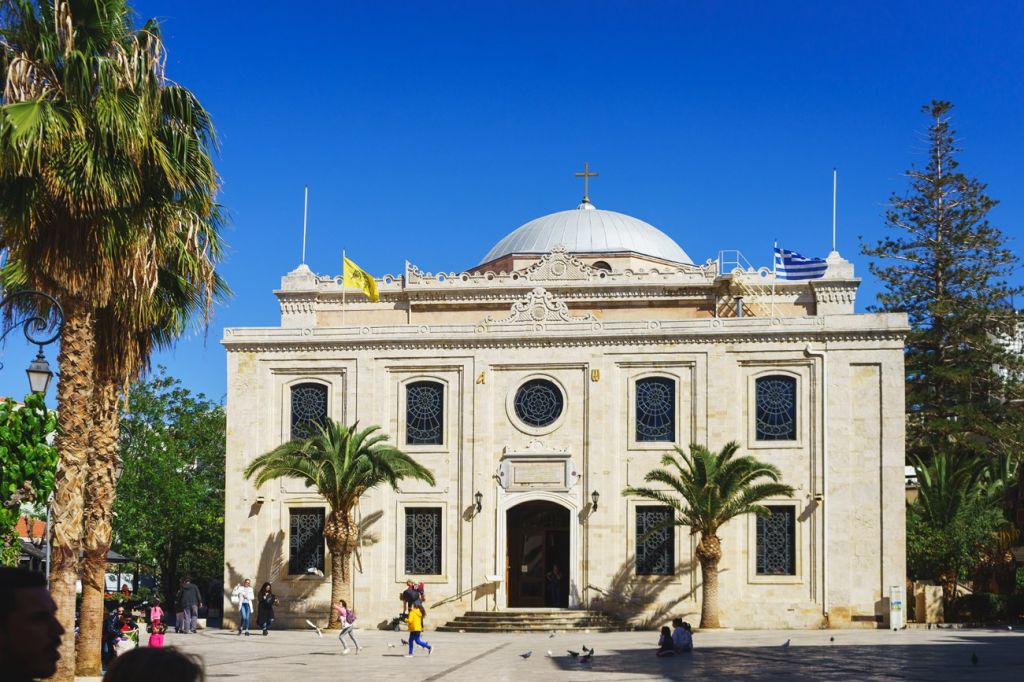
column 539, row 306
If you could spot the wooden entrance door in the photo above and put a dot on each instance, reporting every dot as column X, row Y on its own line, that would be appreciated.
column 538, row 541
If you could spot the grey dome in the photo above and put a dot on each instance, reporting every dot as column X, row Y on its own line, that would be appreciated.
column 589, row 230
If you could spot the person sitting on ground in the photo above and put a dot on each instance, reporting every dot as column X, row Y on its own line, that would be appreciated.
column 155, row 665
column 682, row 636
column 665, row 645
column 30, row 633
column 157, row 638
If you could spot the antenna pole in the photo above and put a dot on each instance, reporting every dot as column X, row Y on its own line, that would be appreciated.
column 305, row 216
column 833, row 209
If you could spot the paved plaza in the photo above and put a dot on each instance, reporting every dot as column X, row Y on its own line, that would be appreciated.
column 291, row 656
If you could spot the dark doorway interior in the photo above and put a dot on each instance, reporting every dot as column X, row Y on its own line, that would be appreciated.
column 538, row 555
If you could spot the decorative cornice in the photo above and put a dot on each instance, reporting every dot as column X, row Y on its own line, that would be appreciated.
column 540, row 305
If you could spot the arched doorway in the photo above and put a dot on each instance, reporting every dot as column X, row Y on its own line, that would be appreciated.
column 537, row 557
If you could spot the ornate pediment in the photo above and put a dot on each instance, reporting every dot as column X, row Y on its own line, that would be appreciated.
column 540, row 305
column 559, row 266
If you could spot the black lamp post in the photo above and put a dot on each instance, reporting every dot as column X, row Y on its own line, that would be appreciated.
column 595, row 496
column 479, row 501
column 41, row 319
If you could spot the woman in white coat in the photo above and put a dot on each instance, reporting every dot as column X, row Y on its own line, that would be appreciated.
column 243, row 596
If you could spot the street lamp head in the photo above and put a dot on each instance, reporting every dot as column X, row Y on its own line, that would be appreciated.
column 595, row 496
column 479, row 501
column 39, row 373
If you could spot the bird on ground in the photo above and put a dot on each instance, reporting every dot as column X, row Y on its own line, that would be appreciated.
column 572, row 653
column 785, row 645
column 391, row 645
column 585, row 658
column 550, row 654
column 974, row 658
column 832, row 639
column 404, row 642
column 312, row 625
column 585, row 649
column 526, row 655
column 552, row 634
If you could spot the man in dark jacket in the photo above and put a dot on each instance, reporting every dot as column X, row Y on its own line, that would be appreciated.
column 111, row 631
column 29, row 631
column 189, row 600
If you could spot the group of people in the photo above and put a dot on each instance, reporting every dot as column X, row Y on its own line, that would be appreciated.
column 678, row 640
column 265, row 602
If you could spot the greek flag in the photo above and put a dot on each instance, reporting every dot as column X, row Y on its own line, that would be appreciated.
column 791, row 265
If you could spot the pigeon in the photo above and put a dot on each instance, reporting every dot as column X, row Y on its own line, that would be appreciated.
column 832, row 639
column 585, row 658
column 526, row 655
column 572, row 653
column 404, row 642
column 585, row 649
column 785, row 645
column 391, row 645
column 552, row 634
column 974, row 658
column 550, row 654
column 312, row 570
column 318, row 632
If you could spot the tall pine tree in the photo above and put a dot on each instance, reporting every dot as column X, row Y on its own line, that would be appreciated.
column 948, row 268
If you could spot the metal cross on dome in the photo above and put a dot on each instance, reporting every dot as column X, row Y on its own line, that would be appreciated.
column 586, row 175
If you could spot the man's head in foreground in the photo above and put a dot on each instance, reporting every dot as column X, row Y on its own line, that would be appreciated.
column 29, row 631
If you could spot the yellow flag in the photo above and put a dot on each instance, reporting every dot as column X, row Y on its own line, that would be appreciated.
column 355, row 277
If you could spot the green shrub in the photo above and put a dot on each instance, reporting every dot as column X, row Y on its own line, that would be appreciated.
column 1015, row 607
column 979, row 607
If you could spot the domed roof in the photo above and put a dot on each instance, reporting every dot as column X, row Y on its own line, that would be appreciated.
column 588, row 229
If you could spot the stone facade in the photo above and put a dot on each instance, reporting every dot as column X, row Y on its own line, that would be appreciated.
column 592, row 333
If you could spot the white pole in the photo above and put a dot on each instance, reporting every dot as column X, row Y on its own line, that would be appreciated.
column 775, row 246
column 833, row 209
column 343, row 287
column 305, row 216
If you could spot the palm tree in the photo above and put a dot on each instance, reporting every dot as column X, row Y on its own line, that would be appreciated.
column 342, row 463
column 104, row 172
column 713, row 487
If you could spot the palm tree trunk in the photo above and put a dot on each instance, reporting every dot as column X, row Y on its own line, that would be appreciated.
column 709, row 553
column 341, row 533
column 101, row 485
column 74, row 397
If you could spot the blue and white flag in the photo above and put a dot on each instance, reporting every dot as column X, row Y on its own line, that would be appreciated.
column 791, row 265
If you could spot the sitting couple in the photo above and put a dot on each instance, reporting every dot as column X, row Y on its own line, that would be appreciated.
column 677, row 641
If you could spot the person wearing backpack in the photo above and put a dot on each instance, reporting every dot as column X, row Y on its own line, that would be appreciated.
column 347, row 619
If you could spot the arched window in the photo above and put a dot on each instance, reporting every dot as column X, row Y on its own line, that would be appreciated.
column 309, row 409
column 539, row 403
column 655, row 409
column 776, row 408
column 601, row 265
column 424, row 413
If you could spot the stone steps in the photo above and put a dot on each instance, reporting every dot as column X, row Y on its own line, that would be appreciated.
column 531, row 621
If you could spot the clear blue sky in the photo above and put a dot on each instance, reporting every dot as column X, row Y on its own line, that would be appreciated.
column 429, row 130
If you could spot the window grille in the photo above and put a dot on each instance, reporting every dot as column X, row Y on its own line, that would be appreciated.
column 776, row 542
column 655, row 554
column 655, row 409
column 538, row 403
column 775, row 408
column 423, row 541
column 309, row 409
column 424, row 413
column 306, row 540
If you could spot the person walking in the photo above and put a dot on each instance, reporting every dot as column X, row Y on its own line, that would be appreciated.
column 416, row 615
column 179, row 611
column 190, row 600
column 243, row 596
column 156, row 614
column 347, row 619
column 265, row 612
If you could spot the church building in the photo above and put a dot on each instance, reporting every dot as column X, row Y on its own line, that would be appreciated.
column 540, row 383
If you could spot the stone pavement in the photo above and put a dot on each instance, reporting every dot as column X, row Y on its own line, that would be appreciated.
column 293, row 656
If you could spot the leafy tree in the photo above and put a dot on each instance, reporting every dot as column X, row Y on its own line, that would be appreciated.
column 105, row 180
column 169, row 510
column 342, row 463
column 953, row 523
column 948, row 268
column 28, row 462
column 712, row 488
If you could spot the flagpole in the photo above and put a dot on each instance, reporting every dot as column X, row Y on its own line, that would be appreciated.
column 305, row 215
column 343, row 287
column 833, row 209
column 774, row 260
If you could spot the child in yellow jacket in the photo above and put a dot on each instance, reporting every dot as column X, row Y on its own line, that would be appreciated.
column 415, row 621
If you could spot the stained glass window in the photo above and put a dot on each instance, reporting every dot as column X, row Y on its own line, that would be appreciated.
column 776, row 408
column 656, row 409
column 424, row 413
column 538, row 403
column 309, row 409
column 776, row 542
column 423, row 541
column 655, row 554
column 305, row 540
